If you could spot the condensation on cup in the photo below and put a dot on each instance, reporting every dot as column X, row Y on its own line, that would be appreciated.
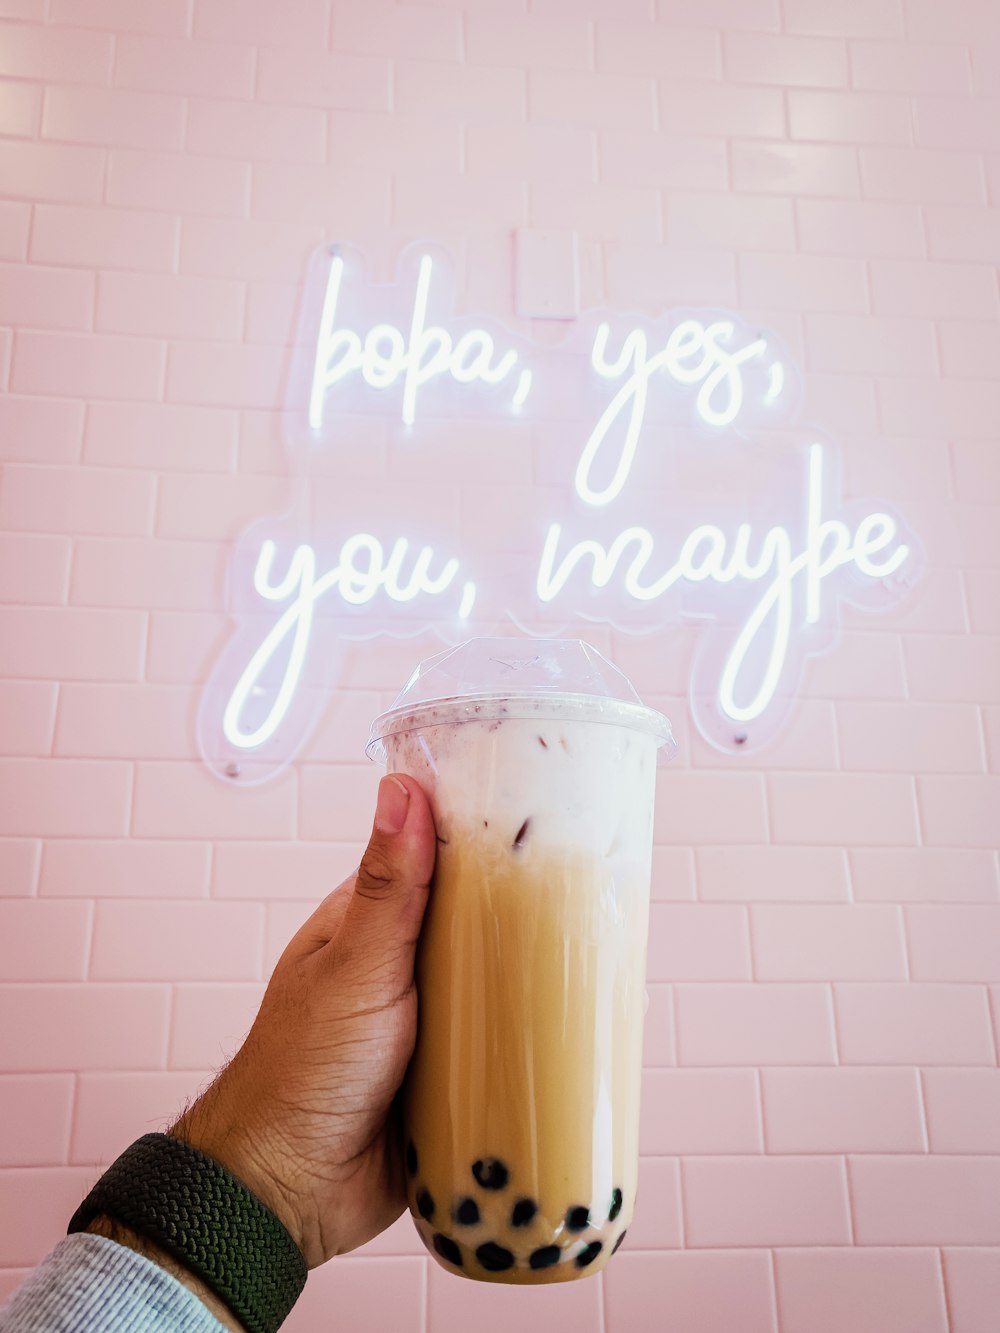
column 521, row 1102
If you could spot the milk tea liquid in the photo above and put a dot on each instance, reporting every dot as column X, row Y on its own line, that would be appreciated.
column 521, row 1103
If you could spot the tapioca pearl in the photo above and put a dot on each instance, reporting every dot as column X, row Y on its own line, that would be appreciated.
column 578, row 1218
column 447, row 1249
column 588, row 1255
column 494, row 1258
column 425, row 1204
column 523, row 1213
column 467, row 1212
column 411, row 1158
column 491, row 1173
column 616, row 1205
column 619, row 1241
column 545, row 1257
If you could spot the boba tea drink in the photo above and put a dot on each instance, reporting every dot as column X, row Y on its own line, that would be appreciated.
column 521, row 1104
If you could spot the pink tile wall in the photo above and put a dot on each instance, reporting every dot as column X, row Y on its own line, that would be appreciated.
column 820, row 1139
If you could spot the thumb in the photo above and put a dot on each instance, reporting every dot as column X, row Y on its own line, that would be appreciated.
column 390, row 892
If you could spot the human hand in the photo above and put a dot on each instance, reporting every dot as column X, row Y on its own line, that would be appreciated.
column 306, row 1113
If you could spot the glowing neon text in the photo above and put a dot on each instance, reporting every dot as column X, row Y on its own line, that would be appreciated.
column 694, row 353
column 829, row 545
column 386, row 355
column 363, row 570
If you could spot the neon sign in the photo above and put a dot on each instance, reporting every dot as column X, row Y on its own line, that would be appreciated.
column 615, row 399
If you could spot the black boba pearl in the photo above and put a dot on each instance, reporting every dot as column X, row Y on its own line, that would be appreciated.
column 467, row 1213
column 491, row 1173
column 588, row 1255
column 616, row 1205
column 411, row 1158
column 619, row 1241
column 545, row 1257
column 425, row 1204
column 578, row 1218
column 494, row 1257
column 447, row 1249
column 524, row 1211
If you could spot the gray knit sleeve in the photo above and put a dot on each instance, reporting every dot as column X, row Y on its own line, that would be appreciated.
column 89, row 1283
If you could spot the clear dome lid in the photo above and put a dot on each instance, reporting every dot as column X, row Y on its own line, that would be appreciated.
column 487, row 678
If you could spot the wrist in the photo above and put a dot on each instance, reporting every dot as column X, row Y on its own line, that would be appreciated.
column 187, row 1212
column 229, row 1140
column 123, row 1235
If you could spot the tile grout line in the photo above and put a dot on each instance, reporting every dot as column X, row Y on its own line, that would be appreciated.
column 73, row 1109
column 922, row 1108
column 904, row 923
column 942, row 1270
column 210, row 877
column 88, row 951
column 994, row 1032
column 773, row 1275
column 168, row 1027
column 675, row 1026
column 849, row 1192
column 833, row 1025
column 759, row 1088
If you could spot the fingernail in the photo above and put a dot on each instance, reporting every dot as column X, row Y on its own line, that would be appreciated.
column 392, row 805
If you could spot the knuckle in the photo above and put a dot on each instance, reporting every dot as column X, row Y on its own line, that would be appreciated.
column 375, row 877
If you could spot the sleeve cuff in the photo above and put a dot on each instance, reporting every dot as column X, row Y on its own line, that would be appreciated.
column 90, row 1282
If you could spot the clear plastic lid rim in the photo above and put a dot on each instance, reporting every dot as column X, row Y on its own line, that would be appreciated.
column 488, row 707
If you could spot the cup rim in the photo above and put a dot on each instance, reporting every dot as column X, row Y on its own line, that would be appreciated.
column 487, row 707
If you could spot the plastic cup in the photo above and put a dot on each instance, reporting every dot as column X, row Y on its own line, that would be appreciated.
column 521, row 1101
